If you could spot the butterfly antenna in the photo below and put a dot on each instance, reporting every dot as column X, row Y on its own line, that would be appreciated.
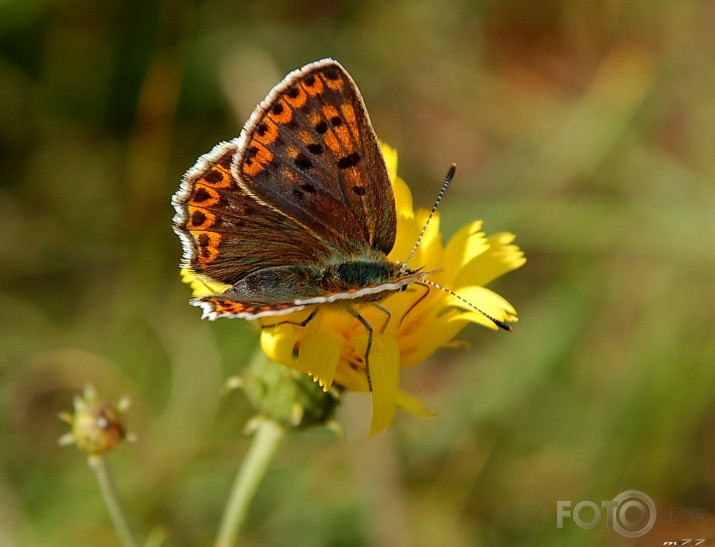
column 501, row 324
column 445, row 184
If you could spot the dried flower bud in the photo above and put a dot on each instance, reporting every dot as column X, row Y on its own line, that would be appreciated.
column 289, row 397
column 97, row 426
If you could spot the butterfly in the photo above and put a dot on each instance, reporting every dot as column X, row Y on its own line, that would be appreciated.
column 298, row 211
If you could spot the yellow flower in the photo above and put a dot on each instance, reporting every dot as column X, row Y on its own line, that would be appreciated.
column 331, row 347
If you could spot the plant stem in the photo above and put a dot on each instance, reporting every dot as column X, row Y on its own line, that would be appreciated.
column 100, row 465
column 266, row 440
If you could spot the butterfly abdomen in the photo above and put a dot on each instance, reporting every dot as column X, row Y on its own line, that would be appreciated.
column 279, row 284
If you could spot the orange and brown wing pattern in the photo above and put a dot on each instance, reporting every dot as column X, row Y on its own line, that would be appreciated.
column 309, row 151
column 227, row 234
column 220, row 306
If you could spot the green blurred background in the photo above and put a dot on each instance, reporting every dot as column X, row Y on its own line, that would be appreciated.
column 586, row 128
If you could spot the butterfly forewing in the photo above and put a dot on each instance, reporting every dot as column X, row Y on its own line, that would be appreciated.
column 310, row 153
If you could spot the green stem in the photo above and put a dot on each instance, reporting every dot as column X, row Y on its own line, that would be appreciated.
column 100, row 465
column 266, row 440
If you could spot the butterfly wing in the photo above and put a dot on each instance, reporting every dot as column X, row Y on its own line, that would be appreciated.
column 226, row 234
column 309, row 151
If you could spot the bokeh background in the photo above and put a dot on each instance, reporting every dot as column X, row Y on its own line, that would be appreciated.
column 586, row 128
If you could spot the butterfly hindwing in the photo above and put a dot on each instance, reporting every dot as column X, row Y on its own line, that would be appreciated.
column 221, row 306
column 226, row 234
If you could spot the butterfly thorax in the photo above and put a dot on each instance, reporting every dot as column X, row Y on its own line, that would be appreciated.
column 357, row 273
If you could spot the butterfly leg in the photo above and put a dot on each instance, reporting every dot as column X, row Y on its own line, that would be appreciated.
column 416, row 302
column 370, row 334
column 387, row 312
column 303, row 323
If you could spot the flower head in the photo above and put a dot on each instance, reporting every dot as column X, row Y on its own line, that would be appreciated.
column 409, row 326
column 97, row 426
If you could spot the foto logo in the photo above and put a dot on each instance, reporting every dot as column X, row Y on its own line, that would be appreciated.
column 631, row 513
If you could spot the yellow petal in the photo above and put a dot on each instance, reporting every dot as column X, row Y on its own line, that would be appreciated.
column 429, row 253
column 501, row 257
column 403, row 198
column 464, row 246
column 352, row 379
column 278, row 344
column 320, row 354
column 413, row 405
column 420, row 344
column 487, row 301
column 462, row 318
column 430, row 249
column 385, row 377
column 407, row 232
column 201, row 285
column 403, row 308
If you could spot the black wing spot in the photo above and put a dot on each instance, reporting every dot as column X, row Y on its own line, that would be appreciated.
column 200, row 195
column 298, row 193
column 351, row 160
column 316, row 148
column 252, row 151
column 321, row 127
column 226, row 161
column 359, row 190
column 261, row 129
column 204, row 245
column 277, row 108
column 213, row 176
column 337, row 121
column 309, row 80
column 331, row 73
column 308, row 187
column 303, row 162
column 198, row 218
column 293, row 92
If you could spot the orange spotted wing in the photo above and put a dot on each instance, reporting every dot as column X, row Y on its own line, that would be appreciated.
column 309, row 150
